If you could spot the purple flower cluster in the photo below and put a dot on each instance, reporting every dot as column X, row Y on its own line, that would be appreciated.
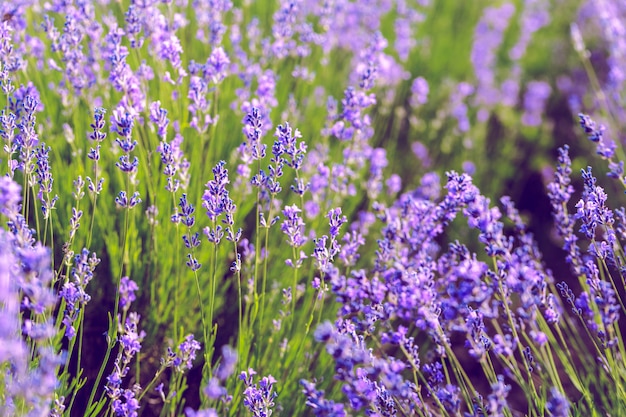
column 73, row 293
column 175, row 165
column 214, row 389
column 191, row 240
column 605, row 147
column 182, row 359
column 44, row 180
column 609, row 16
column 80, row 27
column 413, row 305
column 123, row 400
column 537, row 93
column 97, row 136
column 321, row 406
column 419, row 92
column 445, row 294
column 499, row 83
column 26, row 328
column 259, row 397
column 560, row 192
column 324, row 255
column 293, row 226
column 122, row 123
column 217, row 202
column 488, row 37
column 252, row 149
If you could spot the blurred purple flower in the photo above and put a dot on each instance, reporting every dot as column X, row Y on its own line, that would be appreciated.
column 227, row 365
column 537, row 93
column 557, row 405
column 320, row 405
column 419, row 92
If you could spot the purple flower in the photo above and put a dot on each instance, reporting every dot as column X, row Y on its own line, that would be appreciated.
column 320, row 405
column 349, row 253
column 405, row 26
column 192, row 262
column 488, row 37
column 336, row 220
column 176, row 167
column 449, row 398
column 478, row 342
column 604, row 297
column 288, row 20
column 227, row 365
column 73, row 292
column 35, row 262
column 27, row 139
column 560, row 192
column 258, row 397
column 158, row 116
column 324, row 331
column 133, row 20
column 26, row 326
column 187, row 349
column 185, row 216
column 122, row 123
column 557, row 405
column 214, row 390
column 97, row 135
column 592, row 210
column 10, row 196
column 124, row 202
column 58, row 408
column 378, row 161
column 210, row 19
column 12, row 347
column 199, row 105
column 394, row 184
column 534, row 17
column 288, row 142
column 217, row 202
column 126, row 405
column 167, row 46
column 25, row 99
column 604, row 147
column 216, row 67
column 77, row 66
column 497, row 398
column 130, row 340
column 552, row 312
column 537, row 94
column 529, row 359
column 127, row 292
column 125, row 165
column 293, row 226
column 253, row 130
column 189, row 412
column 419, row 92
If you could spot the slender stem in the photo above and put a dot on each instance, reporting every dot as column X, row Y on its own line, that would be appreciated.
column 240, row 297
column 177, row 276
column 113, row 328
column 204, row 325
column 263, row 296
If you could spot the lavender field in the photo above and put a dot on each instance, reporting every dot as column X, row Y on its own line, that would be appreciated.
column 312, row 208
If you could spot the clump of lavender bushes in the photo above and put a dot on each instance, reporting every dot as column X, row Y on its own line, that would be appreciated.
column 220, row 208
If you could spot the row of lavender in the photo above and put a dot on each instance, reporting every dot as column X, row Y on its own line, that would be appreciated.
column 331, row 273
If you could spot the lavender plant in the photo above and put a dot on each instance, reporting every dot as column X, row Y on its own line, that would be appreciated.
column 265, row 231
